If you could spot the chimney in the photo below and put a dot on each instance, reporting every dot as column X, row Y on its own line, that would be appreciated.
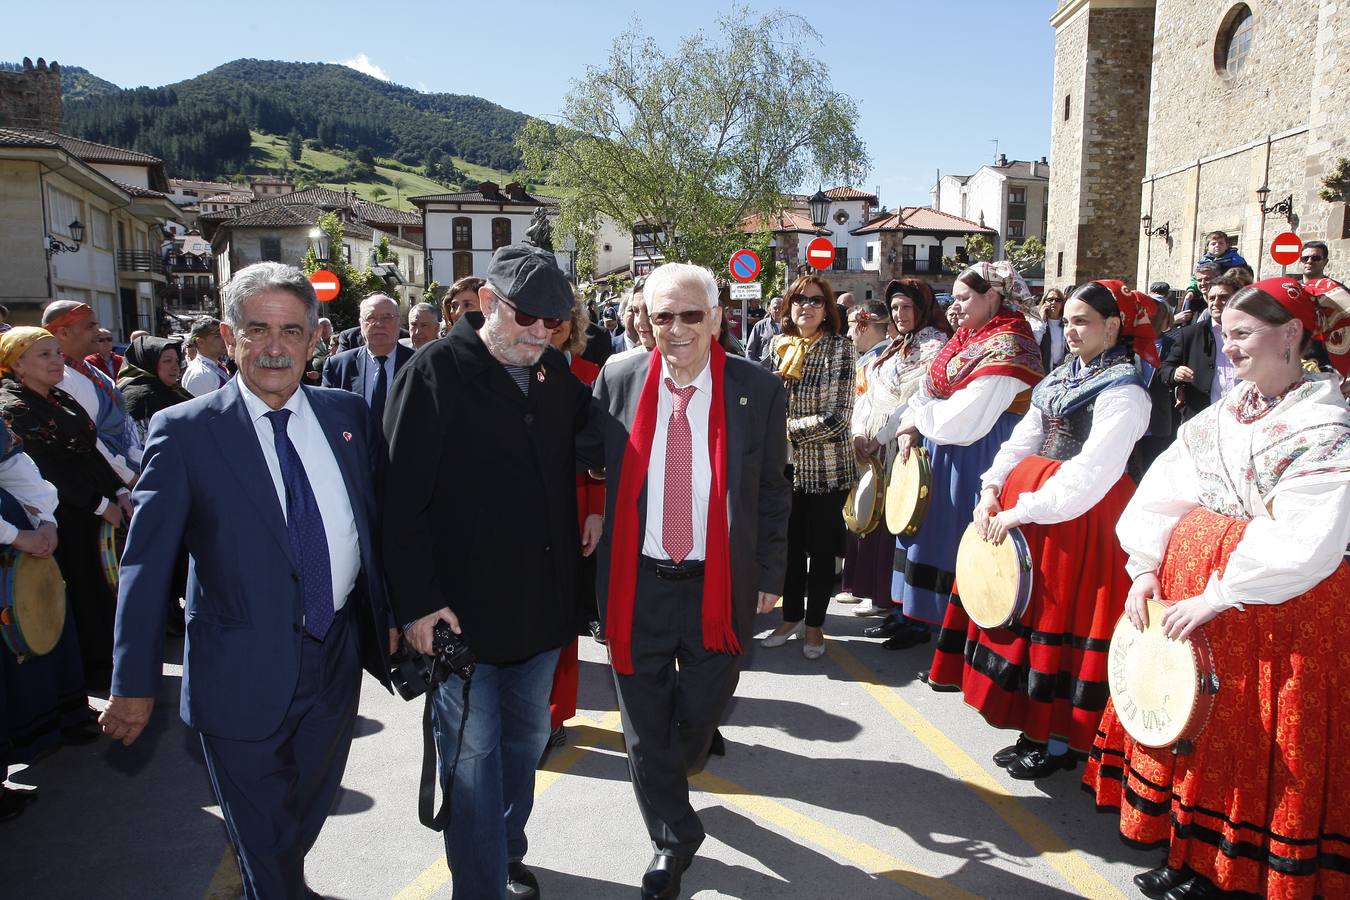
column 488, row 189
column 1002, row 159
column 515, row 190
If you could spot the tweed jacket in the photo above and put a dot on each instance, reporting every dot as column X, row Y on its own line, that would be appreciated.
column 820, row 407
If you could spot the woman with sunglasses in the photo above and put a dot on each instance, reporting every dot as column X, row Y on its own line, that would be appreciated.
column 815, row 360
column 884, row 388
column 975, row 391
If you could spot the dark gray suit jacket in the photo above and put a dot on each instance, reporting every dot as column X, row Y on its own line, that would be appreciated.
column 759, row 494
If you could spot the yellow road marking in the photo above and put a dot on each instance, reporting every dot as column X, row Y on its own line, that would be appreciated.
column 1043, row 839
column 437, row 874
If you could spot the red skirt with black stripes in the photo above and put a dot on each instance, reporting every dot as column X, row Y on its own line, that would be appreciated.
column 1046, row 674
column 1262, row 804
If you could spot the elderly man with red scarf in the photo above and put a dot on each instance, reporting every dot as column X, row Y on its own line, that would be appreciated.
column 695, row 543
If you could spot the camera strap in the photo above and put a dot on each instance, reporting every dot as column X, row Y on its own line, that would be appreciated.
column 426, row 790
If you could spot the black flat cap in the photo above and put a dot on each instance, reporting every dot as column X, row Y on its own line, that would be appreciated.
column 530, row 279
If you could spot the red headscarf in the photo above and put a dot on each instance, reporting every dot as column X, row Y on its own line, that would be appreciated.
column 1322, row 306
column 1136, row 319
column 719, row 633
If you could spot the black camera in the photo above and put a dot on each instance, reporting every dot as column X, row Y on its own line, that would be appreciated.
column 413, row 673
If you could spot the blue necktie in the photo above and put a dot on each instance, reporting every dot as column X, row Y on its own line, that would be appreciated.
column 381, row 390
column 309, row 542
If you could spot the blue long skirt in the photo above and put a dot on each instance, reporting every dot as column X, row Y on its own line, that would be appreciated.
column 925, row 564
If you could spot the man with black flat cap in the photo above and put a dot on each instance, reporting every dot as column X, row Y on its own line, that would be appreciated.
column 493, row 555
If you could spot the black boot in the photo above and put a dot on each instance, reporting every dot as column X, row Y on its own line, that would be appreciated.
column 1157, row 882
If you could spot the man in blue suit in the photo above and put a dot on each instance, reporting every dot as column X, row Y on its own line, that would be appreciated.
column 270, row 485
column 369, row 370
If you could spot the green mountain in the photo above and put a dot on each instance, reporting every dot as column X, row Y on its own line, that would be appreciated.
column 202, row 126
column 76, row 83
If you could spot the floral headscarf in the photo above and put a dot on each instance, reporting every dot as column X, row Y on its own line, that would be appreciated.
column 1003, row 277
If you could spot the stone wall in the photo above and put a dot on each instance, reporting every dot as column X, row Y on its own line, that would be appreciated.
column 1066, row 150
column 32, row 98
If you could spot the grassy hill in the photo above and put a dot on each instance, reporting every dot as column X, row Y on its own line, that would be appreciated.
column 270, row 155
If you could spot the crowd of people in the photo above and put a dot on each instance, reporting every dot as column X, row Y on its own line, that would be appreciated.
column 649, row 482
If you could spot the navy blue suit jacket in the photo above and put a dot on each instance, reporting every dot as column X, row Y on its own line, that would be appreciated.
column 349, row 369
column 205, row 485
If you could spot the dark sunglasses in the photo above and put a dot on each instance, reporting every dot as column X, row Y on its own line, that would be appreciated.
column 1312, row 258
column 803, row 300
column 688, row 317
column 525, row 320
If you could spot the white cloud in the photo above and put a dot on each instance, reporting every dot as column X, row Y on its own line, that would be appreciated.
column 361, row 63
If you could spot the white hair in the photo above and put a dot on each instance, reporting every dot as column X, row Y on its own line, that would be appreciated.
column 666, row 278
column 268, row 276
column 421, row 308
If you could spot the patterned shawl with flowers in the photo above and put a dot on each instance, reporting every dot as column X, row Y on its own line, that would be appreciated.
column 1002, row 346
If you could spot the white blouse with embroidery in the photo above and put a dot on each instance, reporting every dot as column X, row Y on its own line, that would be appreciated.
column 1119, row 419
column 1286, row 470
column 967, row 415
column 885, row 389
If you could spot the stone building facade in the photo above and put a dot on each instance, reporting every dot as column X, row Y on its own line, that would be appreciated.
column 31, row 98
column 1240, row 96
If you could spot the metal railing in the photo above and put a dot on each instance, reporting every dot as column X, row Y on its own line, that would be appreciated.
column 140, row 261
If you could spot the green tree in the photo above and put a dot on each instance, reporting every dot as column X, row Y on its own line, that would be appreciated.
column 400, row 185
column 1025, row 255
column 378, row 193
column 344, row 310
column 697, row 138
column 1336, row 185
column 294, row 145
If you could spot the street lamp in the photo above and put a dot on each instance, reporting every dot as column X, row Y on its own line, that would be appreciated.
column 1283, row 207
column 820, row 208
column 76, row 229
column 1163, row 231
column 321, row 243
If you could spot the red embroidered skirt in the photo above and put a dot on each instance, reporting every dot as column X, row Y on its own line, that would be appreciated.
column 1262, row 805
column 1045, row 675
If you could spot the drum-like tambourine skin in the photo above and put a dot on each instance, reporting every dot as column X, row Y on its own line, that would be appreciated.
column 908, row 492
column 1163, row 690
column 111, row 541
column 32, row 603
column 993, row 581
column 864, row 505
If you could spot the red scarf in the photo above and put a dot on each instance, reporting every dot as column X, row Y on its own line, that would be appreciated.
column 719, row 634
column 1002, row 346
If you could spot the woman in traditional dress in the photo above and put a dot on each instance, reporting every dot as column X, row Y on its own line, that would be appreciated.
column 1060, row 477
column 975, row 391
column 1242, row 525
column 815, row 359
column 884, row 388
column 61, row 438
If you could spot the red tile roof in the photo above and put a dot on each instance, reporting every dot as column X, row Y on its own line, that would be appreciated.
column 781, row 221
column 848, row 193
column 921, row 219
column 85, row 151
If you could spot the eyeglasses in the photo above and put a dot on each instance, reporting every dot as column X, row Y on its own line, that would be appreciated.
column 1311, row 258
column 804, row 300
column 525, row 320
column 687, row 317
column 380, row 320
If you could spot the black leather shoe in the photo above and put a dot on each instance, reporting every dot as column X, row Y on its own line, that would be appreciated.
column 884, row 630
column 520, row 882
column 718, row 747
column 557, row 737
column 1197, row 887
column 909, row 637
column 1036, row 763
column 1157, row 882
column 593, row 627
column 1008, row 755
column 662, row 878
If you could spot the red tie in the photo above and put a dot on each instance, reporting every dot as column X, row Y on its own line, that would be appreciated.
column 677, row 516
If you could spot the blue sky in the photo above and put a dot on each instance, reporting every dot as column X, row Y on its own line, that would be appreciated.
column 935, row 82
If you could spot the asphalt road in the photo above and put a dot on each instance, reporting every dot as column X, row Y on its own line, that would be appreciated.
column 845, row 777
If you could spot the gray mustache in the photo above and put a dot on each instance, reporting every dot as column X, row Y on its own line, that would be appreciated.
column 280, row 361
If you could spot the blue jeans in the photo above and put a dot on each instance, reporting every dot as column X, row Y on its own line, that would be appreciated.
column 493, row 791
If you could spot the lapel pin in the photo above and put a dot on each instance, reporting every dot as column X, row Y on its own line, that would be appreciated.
column 346, row 435
column 540, row 376
column 744, row 401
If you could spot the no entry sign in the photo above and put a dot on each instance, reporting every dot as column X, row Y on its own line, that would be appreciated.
column 820, row 253
column 327, row 286
column 1286, row 248
column 744, row 265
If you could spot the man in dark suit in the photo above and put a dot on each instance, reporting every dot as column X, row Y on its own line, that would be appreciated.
column 695, row 542
column 270, row 486
column 493, row 555
column 1195, row 365
column 369, row 370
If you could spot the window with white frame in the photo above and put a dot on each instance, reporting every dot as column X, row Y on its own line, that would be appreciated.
column 1017, row 195
column 1016, row 228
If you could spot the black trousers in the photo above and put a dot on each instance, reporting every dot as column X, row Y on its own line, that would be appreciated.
column 815, row 533
column 671, row 705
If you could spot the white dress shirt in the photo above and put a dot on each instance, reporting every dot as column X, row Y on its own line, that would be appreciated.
column 85, row 393
column 697, row 411
column 20, row 476
column 202, row 376
column 1225, row 376
column 1056, row 328
column 373, row 374
column 325, row 479
column 967, row 415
